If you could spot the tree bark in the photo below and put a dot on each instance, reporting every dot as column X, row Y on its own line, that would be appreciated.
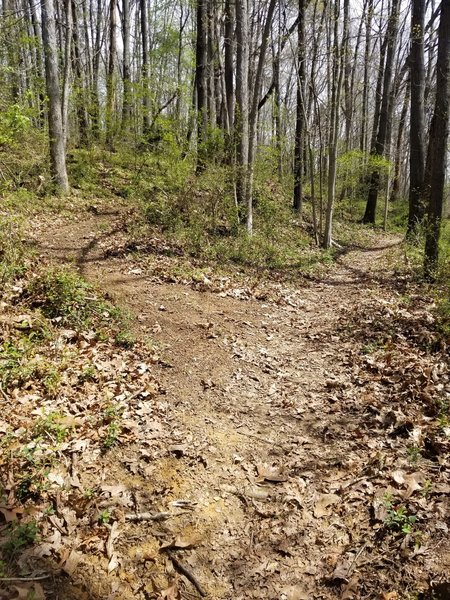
column 56, row 134
column 438, row 144
column 336, row 83
column 395, row 189
column 228, row 62
column 201, row 83
column 380, row 143
column 145, row 68
column 111, row 76
column 241, row 106
column 417, row 116
column 126, row 106
column 300, row 111
column 253, row 115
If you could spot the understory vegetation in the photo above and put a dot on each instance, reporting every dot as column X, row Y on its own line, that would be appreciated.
column 71, row 360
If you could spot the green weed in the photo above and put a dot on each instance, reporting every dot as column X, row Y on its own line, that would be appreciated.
column 12, row 251
column 104, row 517
column 51, row 427
column 398, row 519
column 20, row 363
column 66, row 298
column 18, row 537
column 414, row 454
column 112, row 416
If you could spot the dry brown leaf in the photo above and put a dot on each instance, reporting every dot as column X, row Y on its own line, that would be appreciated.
column 272, row 473
column 181, row 543
column 342, row 569
column 113, row 562
column 71, row 562
column 295, row 592
column 323, row 504
column 389, row 596
column 172, row 592
column 10, row 514
column 113, row 535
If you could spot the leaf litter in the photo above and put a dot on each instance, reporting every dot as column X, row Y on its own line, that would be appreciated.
column 293, row 475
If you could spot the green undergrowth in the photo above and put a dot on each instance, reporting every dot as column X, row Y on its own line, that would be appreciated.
column 52, row 325
column 198, row 212
column 68, row 300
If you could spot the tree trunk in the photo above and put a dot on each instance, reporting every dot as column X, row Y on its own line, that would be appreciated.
column 395, row 189
column 145, row 68
column 300, row 119
column 241, row 107
column 80, row 101
column 126, row 106
column 95, row 100
column 380, row 143
column 417, row 116
column 201, row 82
column 228, row 65
column 56, row 134
column 111, row 76
column 438, row 144
column 336, row 83
column 67, row 69
column 253, row 116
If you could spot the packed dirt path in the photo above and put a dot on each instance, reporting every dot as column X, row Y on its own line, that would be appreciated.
column 261, row 464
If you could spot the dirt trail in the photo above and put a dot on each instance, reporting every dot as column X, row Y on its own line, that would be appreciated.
column 250, row 397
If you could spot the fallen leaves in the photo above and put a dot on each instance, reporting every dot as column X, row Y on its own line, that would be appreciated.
column 272, row 473
column 324, row 503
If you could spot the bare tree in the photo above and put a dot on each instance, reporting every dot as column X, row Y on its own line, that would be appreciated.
column 383, row 123
column 438, row 144
column 201, row 82
column 417, row 116
column 55, row 126
column 301, row 110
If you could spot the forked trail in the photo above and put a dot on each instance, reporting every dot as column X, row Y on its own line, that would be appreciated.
column 258, row 449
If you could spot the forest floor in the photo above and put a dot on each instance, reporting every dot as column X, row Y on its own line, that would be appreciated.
column 277, row 440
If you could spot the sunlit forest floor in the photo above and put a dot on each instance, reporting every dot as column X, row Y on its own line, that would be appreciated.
column 172, row 428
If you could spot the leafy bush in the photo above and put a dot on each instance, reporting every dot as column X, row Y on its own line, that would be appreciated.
column 62, row 294
column 65, row 297
column 12, row 252
column 13, row 121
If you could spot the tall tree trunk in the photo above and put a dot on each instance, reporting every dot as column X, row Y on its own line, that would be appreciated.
column 380, row 143
column 95, row 100
column 417, row 116
column 201, row 82
column 348, row 101
column 300, row 118
column 145, row 67
column 80, row 83
column 242, row 102
column 228, row 61
column 438, row 144
column 365, row 95
column 39, row 65
column 126, row 106
column 395, row 189
column 67, row 69
column 336, row 83
column 111, row 76
column 210, row 65
column 253, row 115
column 56, row 134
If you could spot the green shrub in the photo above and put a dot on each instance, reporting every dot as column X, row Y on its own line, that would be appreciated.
column 12, row 251
column 62, row 294
column 14, row 121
